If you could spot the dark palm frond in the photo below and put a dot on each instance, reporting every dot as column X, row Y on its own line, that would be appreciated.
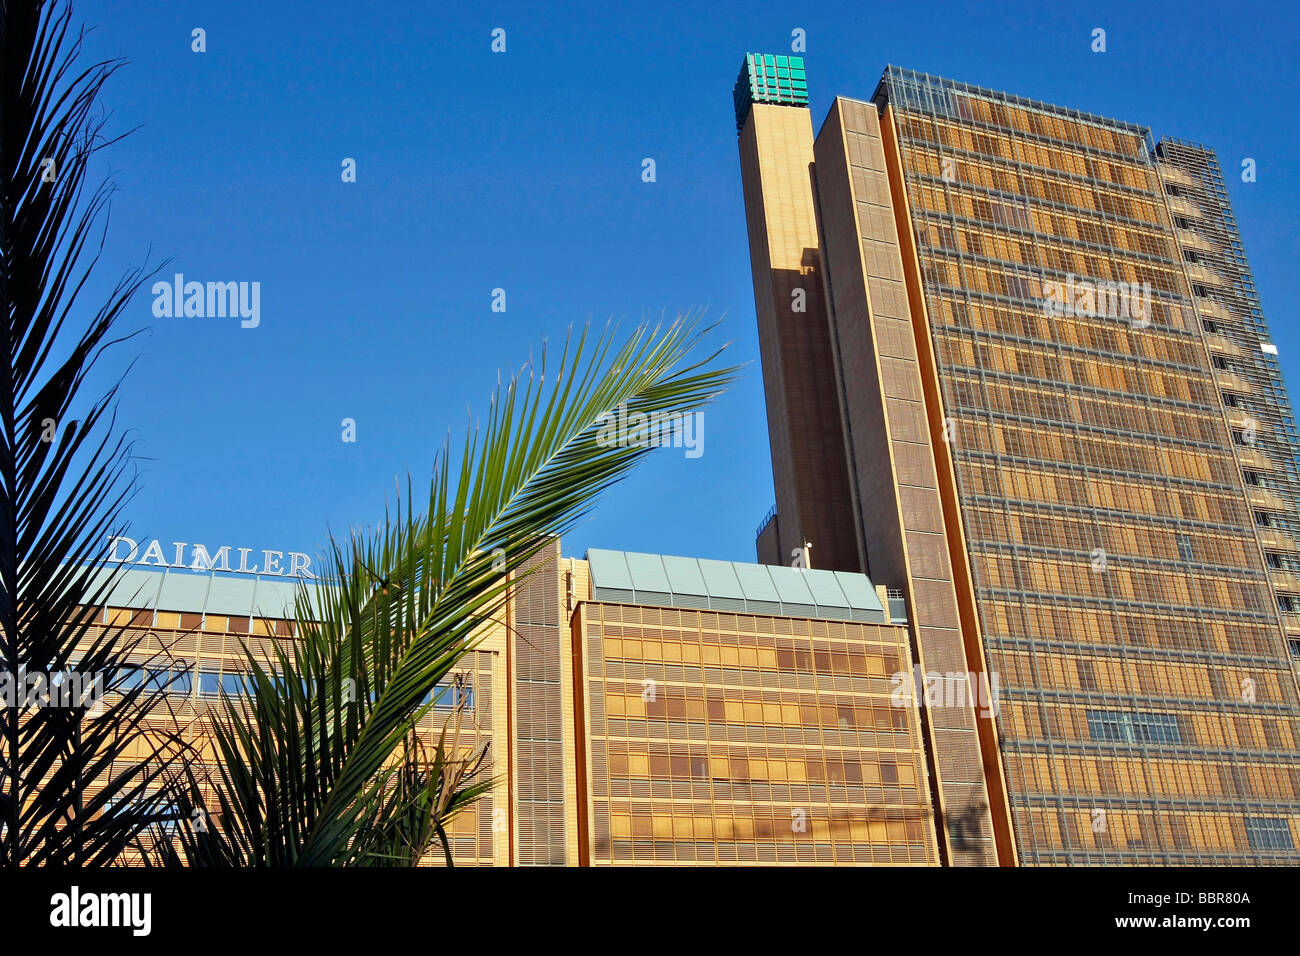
column 69, row 792
column 316, row 765
column 428, row 786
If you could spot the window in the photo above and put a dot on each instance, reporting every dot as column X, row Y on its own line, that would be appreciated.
column 1268, row 833
column 1156, row 729
column 128, row 679
column 1107, row 726
column 446, row 698
column 1134, row 728
column 212, row 684
column 845, row 714
column 1087, row 675
column 171, row 681
column 234, row 684
column 1185, row 548
column 1019, row 287
column 164, row 815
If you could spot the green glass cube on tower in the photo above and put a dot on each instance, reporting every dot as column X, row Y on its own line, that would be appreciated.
column 770, row 79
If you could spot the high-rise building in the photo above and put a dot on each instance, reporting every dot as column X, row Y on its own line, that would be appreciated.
column 1038, row 456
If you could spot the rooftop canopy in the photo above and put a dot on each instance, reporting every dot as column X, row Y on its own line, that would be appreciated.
column 169, row 589
column 626, row 577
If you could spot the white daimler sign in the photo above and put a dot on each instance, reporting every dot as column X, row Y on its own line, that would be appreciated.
column 202, row 558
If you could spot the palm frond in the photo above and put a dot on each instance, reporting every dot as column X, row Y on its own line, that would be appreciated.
column 316, row 761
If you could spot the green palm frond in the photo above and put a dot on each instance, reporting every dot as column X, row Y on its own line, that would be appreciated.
column 317, row 766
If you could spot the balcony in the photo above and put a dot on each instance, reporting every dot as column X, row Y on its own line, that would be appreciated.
column 1222, row 345
column 1287, row 581
column 1213, row 309
column 1232, row 382
column 1251, row 458
column 1204, row 276
column 1181, row 207
column 1194, row 240
column 1176, row 174
column 1265, row 499
column 1274, row 540
column 1240, row 421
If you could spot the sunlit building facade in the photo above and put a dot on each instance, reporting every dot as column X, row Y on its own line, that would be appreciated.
column 189, row 632
column 734, row 713
column 637, row 709
column 1039, row 457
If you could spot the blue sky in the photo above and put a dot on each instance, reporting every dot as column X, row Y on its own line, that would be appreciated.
column 522, row 171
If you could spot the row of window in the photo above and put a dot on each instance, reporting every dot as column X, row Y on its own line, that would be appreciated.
column 1185, row 786
column 1268, row 833
column 1025, row 167
column 1090, row 343
column 181, row 682
column 1051, row 622
column 1151, row 511
column 1134, row 727
column 935, row 98
column 1048, row 442
column 1186, row 836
